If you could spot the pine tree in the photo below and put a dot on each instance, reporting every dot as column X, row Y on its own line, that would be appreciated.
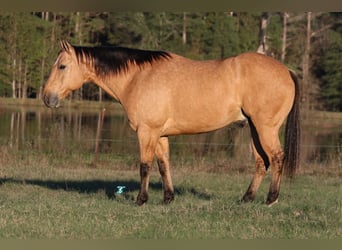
column 330, row 71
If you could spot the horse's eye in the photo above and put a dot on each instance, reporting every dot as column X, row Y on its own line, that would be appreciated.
column 61, row 67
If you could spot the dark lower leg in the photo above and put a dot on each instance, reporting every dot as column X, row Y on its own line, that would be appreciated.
column 167, row 184
column 260, row 171
column 162, row 153
column 144, row 175
column 277, row 169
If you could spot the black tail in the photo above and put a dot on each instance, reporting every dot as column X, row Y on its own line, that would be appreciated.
column 292, row 133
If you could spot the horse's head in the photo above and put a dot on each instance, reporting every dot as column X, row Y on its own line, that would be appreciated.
column 66, row 76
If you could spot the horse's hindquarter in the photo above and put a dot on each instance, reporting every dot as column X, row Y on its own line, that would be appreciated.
column 266, row 87
column 184, row 96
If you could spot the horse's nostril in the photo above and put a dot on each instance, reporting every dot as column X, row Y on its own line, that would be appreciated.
column 51, row 100
column 46, row 100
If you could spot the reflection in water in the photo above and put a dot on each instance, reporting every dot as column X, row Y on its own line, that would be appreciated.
column 72, row 130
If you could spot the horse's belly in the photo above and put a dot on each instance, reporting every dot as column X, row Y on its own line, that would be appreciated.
column 201, row 122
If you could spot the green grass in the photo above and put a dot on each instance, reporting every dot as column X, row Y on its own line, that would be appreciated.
column 44, row 200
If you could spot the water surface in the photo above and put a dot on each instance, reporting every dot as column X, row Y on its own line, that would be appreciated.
column 75, row 130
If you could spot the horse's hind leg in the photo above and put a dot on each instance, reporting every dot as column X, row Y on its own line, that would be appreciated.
column 162, row 153
column 266, row 147
column 270, row 142
column 260, row 171
column 261, row 165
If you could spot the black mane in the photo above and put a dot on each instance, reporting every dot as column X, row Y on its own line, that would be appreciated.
column 108, row 60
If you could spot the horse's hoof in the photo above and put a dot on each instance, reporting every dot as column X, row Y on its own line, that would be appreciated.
column 247, row 198
column 272, row 198
column 270, row 204
column 168, row 197
column 141, row 199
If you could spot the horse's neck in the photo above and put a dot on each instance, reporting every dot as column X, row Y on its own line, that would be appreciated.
column 115, row 84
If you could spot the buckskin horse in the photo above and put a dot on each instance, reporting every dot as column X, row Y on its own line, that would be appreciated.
column 164, row 94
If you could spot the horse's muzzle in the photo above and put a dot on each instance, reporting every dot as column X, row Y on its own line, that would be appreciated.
column 51, row 100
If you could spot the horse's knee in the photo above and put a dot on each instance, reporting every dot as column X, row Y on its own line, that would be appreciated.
column 277, row 162
column 144, row 170
column 260, row 168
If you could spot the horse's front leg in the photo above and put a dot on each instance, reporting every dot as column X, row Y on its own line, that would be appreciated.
column 147, row 143
column 162, row 153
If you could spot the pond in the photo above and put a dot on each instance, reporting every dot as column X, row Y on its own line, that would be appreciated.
column 91, row 130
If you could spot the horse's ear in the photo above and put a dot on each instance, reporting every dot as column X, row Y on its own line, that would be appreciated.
column 65, row 45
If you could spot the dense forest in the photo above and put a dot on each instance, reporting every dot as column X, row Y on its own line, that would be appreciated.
column 309, row 43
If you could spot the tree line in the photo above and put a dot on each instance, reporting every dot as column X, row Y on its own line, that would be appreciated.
column 309, row 43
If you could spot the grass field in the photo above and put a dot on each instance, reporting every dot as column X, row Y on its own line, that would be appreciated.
column 46, row 198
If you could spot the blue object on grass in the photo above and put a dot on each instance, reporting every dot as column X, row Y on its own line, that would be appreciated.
column 120, row 189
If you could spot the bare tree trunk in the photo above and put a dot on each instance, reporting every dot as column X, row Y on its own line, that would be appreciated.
column 78, row 29
column 14, row 58
column 14, row 82
column 25, row 85
column 100, row 94
column 284, row 37
column 78, row 32
column 53, row 30
column 184, row 38
column 45, row 15
column 19, row 79
column 42, row 71
column 262, row 49
column 306, row 61
column 12, row 136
